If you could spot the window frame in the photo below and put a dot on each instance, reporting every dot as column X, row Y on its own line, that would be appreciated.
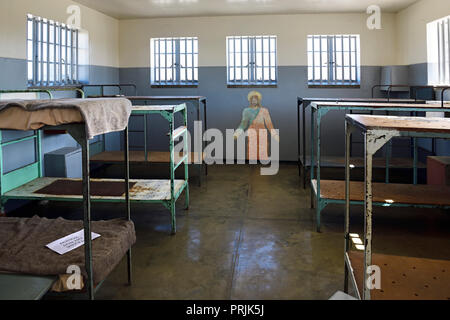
column 39, row 59
column 349, row 59
column 252, row 67
column 438, row 52
column 177, row 67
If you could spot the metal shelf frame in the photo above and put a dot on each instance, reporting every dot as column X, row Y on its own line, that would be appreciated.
column 304, row 103
column 320, row 109
column 374, row 140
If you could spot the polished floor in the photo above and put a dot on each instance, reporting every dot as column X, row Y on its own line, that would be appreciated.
column 248, row 236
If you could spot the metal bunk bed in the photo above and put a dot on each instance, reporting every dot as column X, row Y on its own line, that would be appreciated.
column 327, row 192
column 402, row 277
column 303, row 104
column 146, row 156
column 27, row 183
column 165, row 192
column 12, row 181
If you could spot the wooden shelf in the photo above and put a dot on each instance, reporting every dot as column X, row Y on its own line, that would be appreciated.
column 358, row 162
column 386, row 193
column 142, row 191
column 405, row 278
column 139, row 157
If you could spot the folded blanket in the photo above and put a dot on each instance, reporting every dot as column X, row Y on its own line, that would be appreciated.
column 100, row 115
column 23, row 246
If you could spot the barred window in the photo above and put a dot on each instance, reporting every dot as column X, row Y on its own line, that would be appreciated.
column 334, row 60
column 174, row 61
column 52, row 53
column 252, row 60
column 439, row 51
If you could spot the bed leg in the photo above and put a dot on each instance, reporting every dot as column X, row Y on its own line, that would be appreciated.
column 130, row 274
column 173, row 217
column 187, row 197
column 2, row 208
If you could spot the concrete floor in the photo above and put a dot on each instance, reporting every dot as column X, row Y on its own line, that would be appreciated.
column 248, row 236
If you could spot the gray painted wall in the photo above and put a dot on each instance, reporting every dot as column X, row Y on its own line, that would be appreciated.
column 225, row 105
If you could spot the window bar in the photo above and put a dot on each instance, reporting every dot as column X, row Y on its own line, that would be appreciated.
column 334, row 61
column 251, row 60
column 159, row 62
column 155, row 65
column 175, row 79
column 270, row 59
column 350, row 58
column 54, row 52
column 262, row 81
column 356, row 61
column 165, row 58
column 274, row 62
column 71, row 56
column 173, row 63
column 242, row 60
column 235, row 61
column 228, row 61
column 35, row 51
column 77, row 55
column 60, row 55
column 320, row 50
column 314, row 58
column 185, row 60
column 66, row 79
column 41, row 44
column 193, row 61
column 342, row 58
column 440, row 60
column 48, row 53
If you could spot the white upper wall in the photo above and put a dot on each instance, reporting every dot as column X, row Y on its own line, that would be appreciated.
column 103, row 30
column 292, row 31
column 412, row 29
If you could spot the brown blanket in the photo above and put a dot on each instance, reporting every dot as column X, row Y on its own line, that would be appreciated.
column 100, row 115
column 23, row 241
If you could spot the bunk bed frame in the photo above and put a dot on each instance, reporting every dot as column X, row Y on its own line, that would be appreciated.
column 303, row 104
column 102, row 156
column 325, row 196
column 377, row 132
column 24, row 183
column 9, row 182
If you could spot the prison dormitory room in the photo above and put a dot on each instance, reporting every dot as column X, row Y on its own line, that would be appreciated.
column 220, row 150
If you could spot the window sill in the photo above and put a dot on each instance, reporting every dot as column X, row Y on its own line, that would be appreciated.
column 162, row 86
column 231, row 86
column 334, row 86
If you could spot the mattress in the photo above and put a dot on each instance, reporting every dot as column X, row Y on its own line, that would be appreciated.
column 100, row 116
column 23, row 247
column 16, row 118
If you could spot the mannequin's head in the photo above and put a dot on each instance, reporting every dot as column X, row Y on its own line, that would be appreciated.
column 255, row 98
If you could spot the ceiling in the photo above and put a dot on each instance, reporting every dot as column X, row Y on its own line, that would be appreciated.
column 132, row 9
